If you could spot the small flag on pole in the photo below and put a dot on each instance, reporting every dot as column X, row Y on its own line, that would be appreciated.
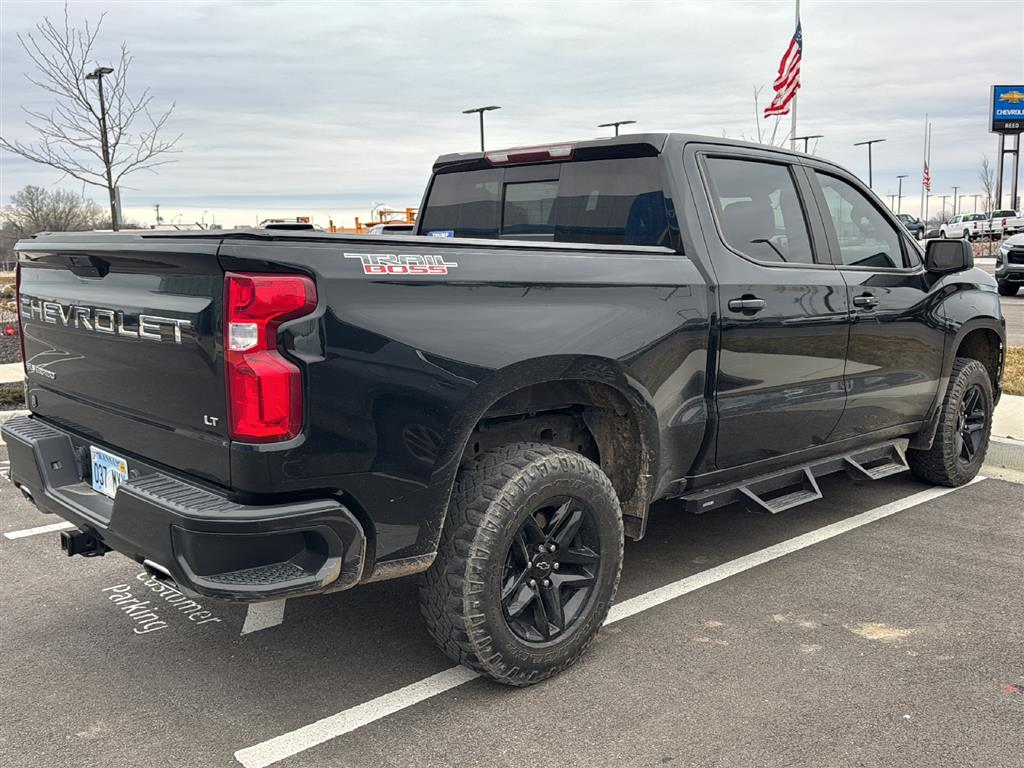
column 787, row 83
column 927, row 179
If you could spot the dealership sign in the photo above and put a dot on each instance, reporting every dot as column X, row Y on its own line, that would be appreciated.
column 1007, row 108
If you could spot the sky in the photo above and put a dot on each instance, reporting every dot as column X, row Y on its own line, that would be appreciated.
column 325, row 109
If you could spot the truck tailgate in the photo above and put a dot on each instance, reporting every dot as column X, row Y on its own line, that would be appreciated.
column 122, row 345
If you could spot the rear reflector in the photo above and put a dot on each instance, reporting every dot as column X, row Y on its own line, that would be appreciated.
column 538, row 154
column 264, row 387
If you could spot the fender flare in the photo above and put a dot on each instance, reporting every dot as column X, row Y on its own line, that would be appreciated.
column 923, row 439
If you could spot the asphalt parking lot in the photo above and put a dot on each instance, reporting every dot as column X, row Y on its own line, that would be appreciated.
column 896, row 642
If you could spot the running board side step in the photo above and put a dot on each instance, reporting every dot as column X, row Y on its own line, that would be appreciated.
column 778, row 491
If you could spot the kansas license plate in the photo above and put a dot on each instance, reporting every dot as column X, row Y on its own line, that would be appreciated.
column 108, row 471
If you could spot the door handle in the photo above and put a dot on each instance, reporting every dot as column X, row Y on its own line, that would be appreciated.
column 747, row 305
column 865, row 301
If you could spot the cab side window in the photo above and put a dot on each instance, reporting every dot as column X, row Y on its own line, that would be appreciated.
column 865, row 236
column 759, row 210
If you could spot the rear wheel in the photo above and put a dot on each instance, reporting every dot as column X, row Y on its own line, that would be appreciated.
column 965, row 423
column 1006, row 288
column 528, row 563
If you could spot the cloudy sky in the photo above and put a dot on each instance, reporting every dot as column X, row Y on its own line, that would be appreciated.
column 290, row 108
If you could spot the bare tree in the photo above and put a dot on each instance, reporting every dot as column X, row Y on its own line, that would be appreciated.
column 762, row 135
column 97, row 141
column 34, row 209
column 987, row 177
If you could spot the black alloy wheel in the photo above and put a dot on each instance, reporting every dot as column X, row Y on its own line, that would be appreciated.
column 971, row 423
column 550, row 570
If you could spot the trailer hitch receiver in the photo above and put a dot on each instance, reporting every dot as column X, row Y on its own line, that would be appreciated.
column 81, row 543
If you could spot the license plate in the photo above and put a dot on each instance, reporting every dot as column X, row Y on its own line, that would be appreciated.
column 108, row 471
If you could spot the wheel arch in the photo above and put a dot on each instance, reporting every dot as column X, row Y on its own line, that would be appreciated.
column 616, row 410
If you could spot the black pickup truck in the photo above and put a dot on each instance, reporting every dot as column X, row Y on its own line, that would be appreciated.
column 573, row 331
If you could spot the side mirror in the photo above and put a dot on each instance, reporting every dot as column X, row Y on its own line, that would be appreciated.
column 943, row 257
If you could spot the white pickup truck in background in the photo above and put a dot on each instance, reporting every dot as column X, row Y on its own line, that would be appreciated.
column 1003, row 223
column 967, row 225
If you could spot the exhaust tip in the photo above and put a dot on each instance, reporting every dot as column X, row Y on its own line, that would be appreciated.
column 161, row 574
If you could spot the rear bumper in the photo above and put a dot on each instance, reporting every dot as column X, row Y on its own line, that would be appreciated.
column 207, row 544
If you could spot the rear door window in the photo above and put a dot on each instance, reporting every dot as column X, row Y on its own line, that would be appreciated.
column 612, row 202
column 759, row 210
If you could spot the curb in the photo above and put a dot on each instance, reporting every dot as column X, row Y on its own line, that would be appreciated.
column 1006, row 452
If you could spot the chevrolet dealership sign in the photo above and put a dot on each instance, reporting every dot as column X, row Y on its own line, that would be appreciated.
column 1007, row 108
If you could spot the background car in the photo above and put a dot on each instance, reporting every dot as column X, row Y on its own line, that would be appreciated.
column 1003, row 223
column 966, row 225
column 914, row 225
column 389, row 228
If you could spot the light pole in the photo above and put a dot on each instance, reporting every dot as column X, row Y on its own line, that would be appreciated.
column 869, row 143
column 616, row 125
column 481, row 111
column 808, row 138
column 899, row 194
column 97, row 75
column 955, row 190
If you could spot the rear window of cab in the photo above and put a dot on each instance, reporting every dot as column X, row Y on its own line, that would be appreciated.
column 612, row 202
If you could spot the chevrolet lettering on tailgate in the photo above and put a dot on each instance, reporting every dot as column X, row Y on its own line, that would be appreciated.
column 100, row 320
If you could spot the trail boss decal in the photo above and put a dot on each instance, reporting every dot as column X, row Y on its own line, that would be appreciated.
column 403, row 264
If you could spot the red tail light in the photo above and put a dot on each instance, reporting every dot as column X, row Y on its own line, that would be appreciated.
column 264, row 387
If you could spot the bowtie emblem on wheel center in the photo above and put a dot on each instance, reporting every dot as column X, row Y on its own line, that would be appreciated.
column 541, row 565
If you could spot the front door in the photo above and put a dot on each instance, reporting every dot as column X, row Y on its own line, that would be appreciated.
column 896, row 337
column 783, row 309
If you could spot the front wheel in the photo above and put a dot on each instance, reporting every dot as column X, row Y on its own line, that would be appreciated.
column 1006, row 288
column 965, row 423
column 528, row 563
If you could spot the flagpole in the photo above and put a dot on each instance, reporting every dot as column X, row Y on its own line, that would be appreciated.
column 928, row 165
column 792, row 130
column 924, row 165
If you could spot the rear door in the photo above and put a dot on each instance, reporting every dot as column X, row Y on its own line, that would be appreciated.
column 897, row 336
column 122, row 346
column 783, row 313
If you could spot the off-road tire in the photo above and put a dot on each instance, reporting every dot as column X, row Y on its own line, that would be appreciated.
column 941, row 464
column 460, row 595
column 1006, row 288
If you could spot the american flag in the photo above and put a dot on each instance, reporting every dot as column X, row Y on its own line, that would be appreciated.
column 787, row 83
column 927, row 179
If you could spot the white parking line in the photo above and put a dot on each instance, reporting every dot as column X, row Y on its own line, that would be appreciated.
column 41, row 529
column 263, row 616
column 292, row 743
